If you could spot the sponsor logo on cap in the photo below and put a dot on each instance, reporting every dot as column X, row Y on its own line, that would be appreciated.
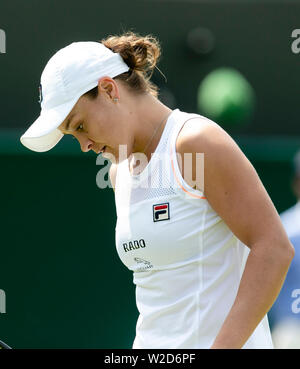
column 2, row 42
column 40, row 93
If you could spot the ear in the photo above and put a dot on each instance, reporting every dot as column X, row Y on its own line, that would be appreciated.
column 108, row 87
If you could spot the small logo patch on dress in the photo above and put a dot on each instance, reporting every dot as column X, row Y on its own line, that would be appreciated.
column 145, row 265
column 161, row 212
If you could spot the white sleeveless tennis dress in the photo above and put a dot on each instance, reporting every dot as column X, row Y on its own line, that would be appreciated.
column 186, row 262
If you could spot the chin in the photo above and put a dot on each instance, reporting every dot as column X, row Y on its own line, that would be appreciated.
column 110, row 154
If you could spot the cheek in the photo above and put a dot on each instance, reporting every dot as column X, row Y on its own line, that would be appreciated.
column 95, row 131
column 104, row 128
column 110, row 131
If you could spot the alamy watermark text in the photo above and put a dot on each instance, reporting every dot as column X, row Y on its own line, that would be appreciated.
column 2, row 302
column 2, row 42
column 296, row 43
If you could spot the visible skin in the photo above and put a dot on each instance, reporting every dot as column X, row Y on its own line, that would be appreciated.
column 131, row 121
column 234, row 190
column 232, row 187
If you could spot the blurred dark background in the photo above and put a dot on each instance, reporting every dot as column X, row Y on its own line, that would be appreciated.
column 65, row 286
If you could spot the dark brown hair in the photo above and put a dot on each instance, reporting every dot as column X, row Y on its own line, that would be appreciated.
column 141, row 54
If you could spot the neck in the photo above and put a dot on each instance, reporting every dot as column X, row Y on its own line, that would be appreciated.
column 151, row 116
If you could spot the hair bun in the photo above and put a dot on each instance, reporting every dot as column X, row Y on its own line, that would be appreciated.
column 140, row 53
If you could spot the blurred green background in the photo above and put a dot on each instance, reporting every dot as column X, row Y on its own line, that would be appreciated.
column 65, row 285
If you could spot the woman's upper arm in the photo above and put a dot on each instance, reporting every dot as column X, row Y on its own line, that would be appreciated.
column 232, row 186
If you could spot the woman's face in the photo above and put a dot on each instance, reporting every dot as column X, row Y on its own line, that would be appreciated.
column 99, row 122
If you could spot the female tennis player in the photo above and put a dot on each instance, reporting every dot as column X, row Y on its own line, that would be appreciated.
column 209, row 257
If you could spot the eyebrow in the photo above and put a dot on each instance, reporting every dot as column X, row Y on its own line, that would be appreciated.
column 68, row 123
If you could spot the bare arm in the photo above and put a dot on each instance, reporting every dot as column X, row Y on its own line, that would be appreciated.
column 234, row 190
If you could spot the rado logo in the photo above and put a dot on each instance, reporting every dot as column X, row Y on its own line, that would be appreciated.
column 134, row 245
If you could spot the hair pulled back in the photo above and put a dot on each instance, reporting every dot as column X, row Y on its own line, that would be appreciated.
column 141, row 54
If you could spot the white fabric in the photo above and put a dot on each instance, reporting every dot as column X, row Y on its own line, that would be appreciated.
column 186, row 268
column 71, row 72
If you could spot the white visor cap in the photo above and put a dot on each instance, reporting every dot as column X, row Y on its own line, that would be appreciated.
column 71, row 72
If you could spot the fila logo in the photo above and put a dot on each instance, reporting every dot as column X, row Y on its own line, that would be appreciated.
column 161, row 212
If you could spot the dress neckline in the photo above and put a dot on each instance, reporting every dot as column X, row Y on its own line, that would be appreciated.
column 144, row 172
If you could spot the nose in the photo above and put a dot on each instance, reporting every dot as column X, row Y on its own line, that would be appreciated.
column 85, row 144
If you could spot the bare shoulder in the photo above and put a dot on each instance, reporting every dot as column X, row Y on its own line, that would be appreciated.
column 223, row 159
column 203, row 133
column 231, row 183
column 112, row 174
column 203, row 136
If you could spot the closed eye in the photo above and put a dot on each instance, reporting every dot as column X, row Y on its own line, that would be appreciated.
column 80, row 127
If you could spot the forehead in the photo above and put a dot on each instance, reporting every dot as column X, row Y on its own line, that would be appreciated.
column 79, row 108
column 64, row 127
column 66, row 123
